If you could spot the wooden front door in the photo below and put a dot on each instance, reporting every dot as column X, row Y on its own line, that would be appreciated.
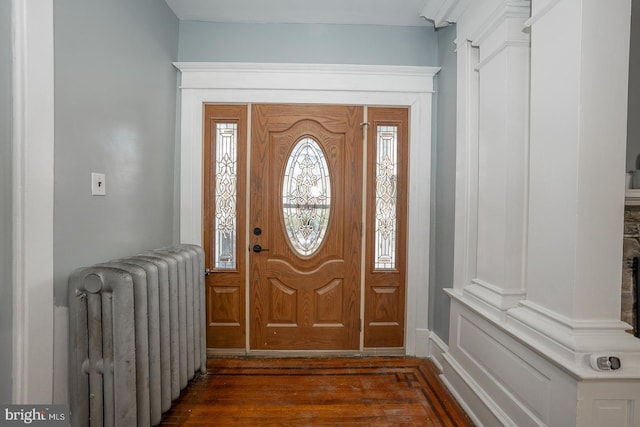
column 288, row 273
column 305, row 227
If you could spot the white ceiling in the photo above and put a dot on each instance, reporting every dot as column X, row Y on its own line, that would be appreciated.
column 374, row 12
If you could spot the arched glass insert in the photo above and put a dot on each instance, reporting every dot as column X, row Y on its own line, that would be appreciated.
column 306, row 196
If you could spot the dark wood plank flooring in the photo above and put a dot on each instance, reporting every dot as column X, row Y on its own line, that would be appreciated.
column 371, row 391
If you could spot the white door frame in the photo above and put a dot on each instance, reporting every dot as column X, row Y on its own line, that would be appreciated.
column 33, row 135
column 323, row 84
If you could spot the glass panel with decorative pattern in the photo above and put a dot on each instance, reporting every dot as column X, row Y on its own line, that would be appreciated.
column 226, row 195
column 386, row 197
column 306, row 197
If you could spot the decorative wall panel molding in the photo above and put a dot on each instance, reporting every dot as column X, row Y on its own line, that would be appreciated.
column 568, row 341
column 510, row 380
column 499, row 365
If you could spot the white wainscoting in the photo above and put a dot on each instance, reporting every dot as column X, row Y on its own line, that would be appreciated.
column 487, row 358
column 502, row 380
column 502, row 377
column 609, row 404
column 466, row 397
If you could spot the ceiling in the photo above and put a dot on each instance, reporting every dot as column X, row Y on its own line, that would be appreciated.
column 372, row 12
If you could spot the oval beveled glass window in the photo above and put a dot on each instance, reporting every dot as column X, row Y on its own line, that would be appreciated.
column 306, row 196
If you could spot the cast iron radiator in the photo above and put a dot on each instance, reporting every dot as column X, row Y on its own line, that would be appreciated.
column 136, row 336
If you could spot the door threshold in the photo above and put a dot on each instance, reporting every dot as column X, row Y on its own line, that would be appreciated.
column 367, row 352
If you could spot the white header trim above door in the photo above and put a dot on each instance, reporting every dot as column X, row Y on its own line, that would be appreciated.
column 325, row 77
column 319, row 84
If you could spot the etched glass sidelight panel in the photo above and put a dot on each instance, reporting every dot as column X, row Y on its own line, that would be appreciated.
column 306, row 196
column 226, row 195
column 386, row 197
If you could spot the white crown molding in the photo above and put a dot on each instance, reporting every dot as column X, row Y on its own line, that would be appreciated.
column 332, row 12
column 444, row 12
column 510, row 9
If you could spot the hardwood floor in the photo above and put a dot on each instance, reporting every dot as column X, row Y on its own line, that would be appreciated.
column 371, row 391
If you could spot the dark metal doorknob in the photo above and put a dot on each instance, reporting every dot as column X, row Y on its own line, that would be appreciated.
column 257, row 249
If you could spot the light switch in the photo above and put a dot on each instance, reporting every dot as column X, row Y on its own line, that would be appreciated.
column 98, row 184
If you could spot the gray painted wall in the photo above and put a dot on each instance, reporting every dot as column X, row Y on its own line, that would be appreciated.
column 633, row 119
column 115, row 110
column 298, row 43
column 6, row 287
column 443, row 185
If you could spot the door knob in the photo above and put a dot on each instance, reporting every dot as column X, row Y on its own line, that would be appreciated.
column 257, row 249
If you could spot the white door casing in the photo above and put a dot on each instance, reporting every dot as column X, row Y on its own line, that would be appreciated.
column 323, row 84
column 33, row 134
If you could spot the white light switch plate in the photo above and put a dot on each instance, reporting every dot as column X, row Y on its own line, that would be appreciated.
column 98, row 184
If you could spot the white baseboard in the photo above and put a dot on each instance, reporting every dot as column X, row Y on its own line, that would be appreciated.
column 474, row 400
column 453, row 379
column 437, row 349
column 422, row 343
column 465, row 390
column 60, row 356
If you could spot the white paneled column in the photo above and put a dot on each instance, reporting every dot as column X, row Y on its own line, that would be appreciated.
column 501, row 48
column 579, row 77
column 492, row 156
column 540, row 158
